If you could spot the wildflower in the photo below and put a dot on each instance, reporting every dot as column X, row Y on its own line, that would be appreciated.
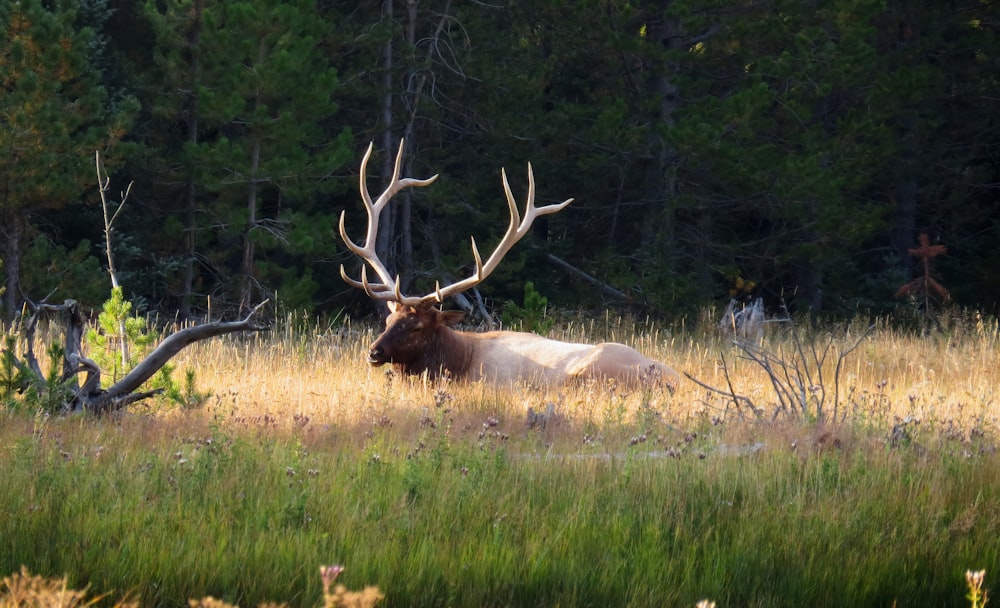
column 975, row 578
column 329, row 574
column 977, row 595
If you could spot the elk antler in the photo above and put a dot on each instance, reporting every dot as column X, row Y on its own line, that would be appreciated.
column 515, row 231
column 389, row 289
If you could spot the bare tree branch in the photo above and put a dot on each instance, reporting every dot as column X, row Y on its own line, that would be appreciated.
column 90, row 396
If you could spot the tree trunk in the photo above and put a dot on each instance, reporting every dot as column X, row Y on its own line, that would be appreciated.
column 903, row 222
column 246, row 293
column 387, row 230
column 103, row 183
column 12, row 229
column 660, row 182
column 190, row 189
column 405, row 210
column 807, row 277
column 190, row 238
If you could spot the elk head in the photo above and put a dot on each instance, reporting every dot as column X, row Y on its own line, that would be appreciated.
column 409, row 333
column 414, row 320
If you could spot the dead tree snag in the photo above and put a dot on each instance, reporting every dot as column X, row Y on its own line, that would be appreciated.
column 88, row 396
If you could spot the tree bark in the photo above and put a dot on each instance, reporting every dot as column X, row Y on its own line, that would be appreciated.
column 12, row 228
column 384, row 240
column 246, row 291
column 190, row 188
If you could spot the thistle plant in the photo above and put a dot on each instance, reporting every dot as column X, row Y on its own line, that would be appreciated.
column 26, row 590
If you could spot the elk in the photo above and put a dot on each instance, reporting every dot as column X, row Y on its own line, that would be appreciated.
column 420, row 338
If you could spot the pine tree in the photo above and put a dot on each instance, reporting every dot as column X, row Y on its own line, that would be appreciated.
column 243, row 99
column 56, row 112
column 783, row 146
column 267, row 94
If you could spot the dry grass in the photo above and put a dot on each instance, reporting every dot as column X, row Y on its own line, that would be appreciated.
column 26, row 590
column 289, row 379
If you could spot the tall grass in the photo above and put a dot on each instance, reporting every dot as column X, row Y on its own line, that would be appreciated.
column 443, row 495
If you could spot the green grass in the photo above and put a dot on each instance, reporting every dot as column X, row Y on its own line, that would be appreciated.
column 198, row 509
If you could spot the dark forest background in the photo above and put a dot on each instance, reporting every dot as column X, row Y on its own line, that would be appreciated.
column 783, row 149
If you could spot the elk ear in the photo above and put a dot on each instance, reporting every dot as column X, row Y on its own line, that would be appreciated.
column 451, row 318
column 392, row 306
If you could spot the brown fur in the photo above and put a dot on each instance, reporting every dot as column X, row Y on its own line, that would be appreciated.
column 418, row 340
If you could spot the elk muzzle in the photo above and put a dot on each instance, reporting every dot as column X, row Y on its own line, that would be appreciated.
column 377, row 355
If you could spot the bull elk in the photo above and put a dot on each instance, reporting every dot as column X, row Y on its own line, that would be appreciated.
column 419, row 338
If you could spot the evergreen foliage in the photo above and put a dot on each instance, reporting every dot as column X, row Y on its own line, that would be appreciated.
column 55, row 111
column 795, row 148
column 116, row 316
column 252, row 85
column 104, row 342
column 532, row 316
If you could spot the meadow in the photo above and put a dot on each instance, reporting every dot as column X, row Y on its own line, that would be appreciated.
column 875, row 482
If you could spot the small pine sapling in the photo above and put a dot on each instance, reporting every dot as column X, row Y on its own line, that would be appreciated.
column 533, row 316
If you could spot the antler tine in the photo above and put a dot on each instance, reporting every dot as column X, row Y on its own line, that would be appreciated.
column 390, row 293
column 378, row 291
column 396, row 184
column 389, row 288
column 362, row 183
column 515, row 231
column 530, row 211
column 478, row 258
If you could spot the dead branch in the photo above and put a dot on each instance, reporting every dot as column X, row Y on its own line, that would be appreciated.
column 177, row 342
column 89, row 396
column 103, row 183
column 736, row 399
column 587, row 278
column 800, row 381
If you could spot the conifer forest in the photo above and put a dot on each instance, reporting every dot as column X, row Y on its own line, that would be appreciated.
column 838, row 157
